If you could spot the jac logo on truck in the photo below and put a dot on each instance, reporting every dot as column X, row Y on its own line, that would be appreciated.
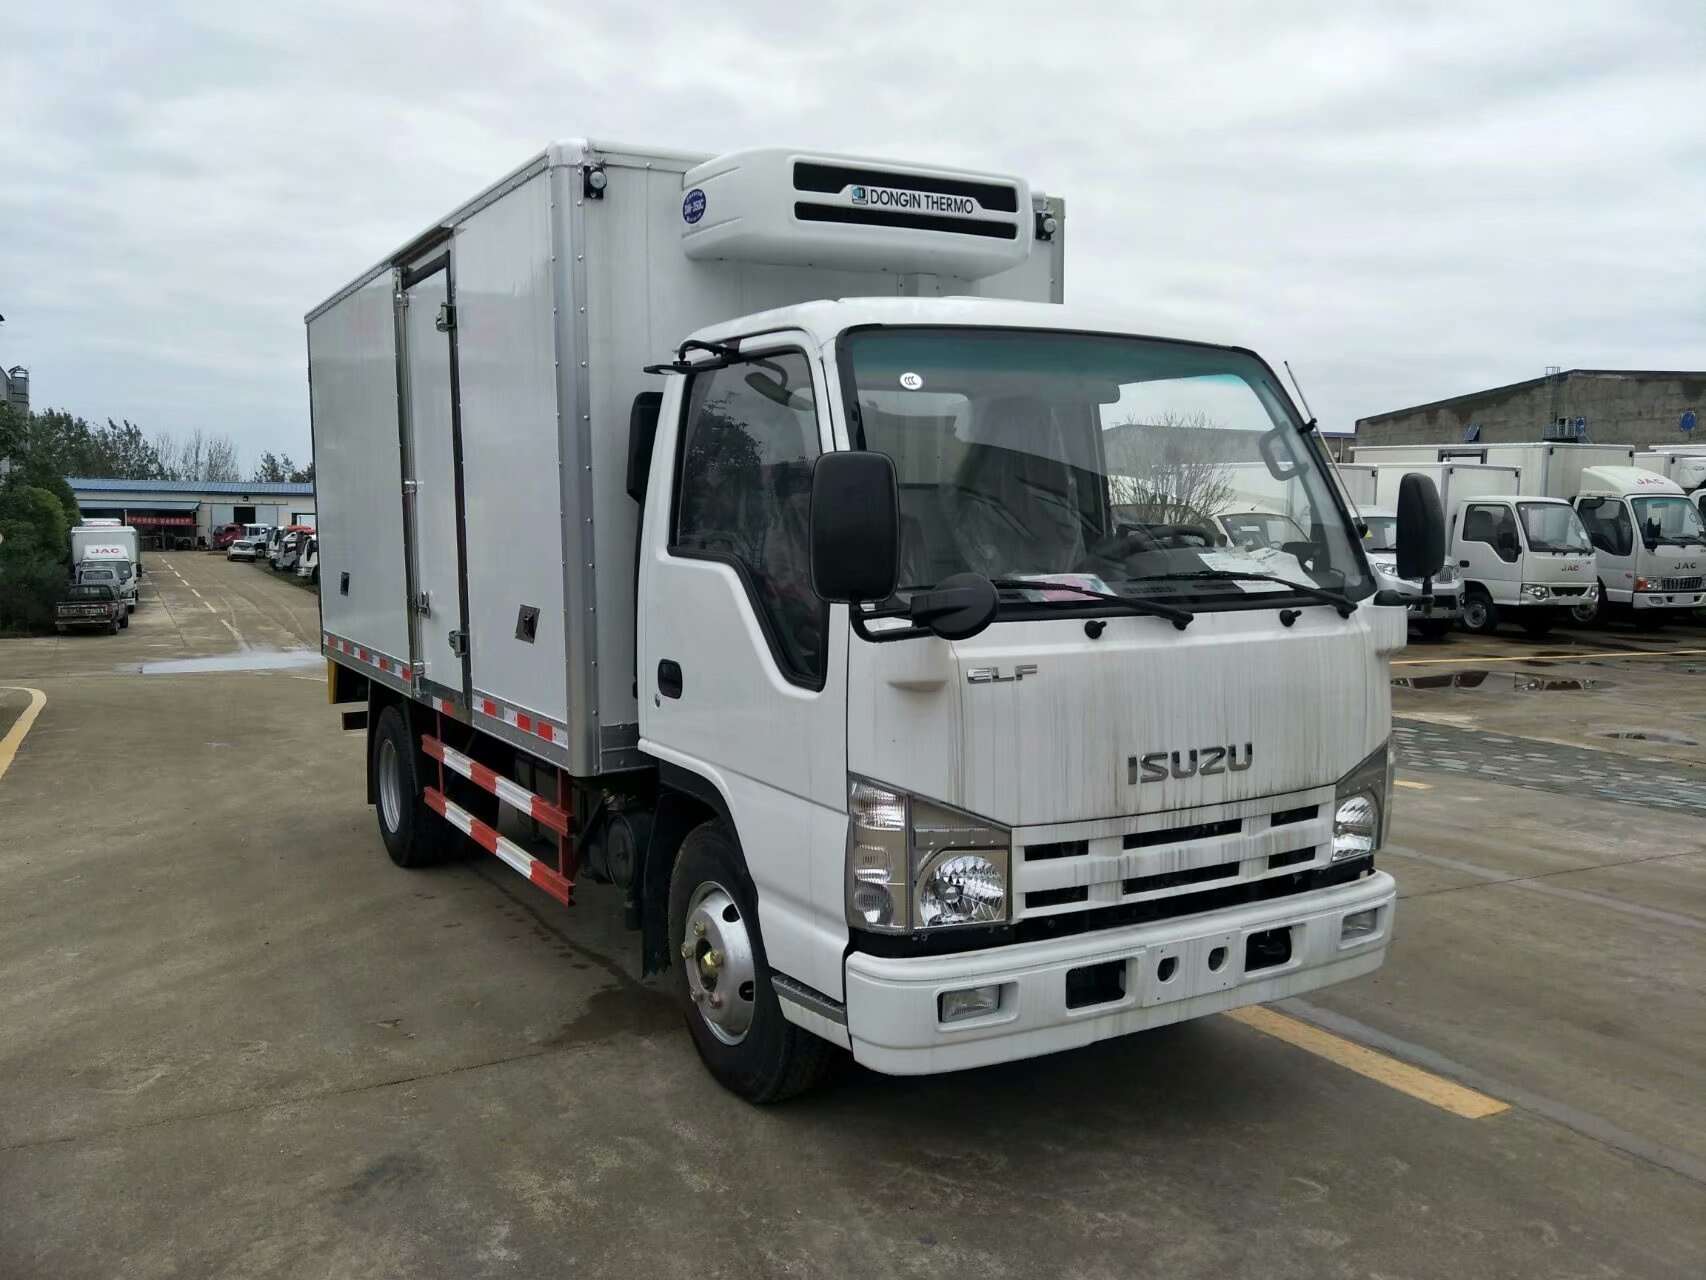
column 992, row 675
column 1158, row 766
column 913, row 201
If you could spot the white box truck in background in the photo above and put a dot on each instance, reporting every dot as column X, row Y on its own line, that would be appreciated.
column 1651, row 576
column 1685, row 466
column 1521, row 559
column 103, row 533
column 813, row 624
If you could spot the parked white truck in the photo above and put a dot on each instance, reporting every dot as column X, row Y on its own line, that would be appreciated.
column 1685, row 466
column 1521, row 558
column 106, row 534
column 809, row 623
column 1648, row 577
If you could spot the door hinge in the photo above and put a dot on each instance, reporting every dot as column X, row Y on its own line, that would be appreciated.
column 423, row 604
column 459, row 643
column 411, row 487
column 400, row 299
column 446, row 317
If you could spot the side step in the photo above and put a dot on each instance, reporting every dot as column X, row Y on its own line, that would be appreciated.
column 559, row 887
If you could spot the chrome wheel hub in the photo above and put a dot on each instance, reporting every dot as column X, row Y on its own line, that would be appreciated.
column 717, row 953
column 390, row 785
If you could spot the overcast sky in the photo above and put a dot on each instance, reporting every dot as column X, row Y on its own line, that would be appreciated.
column 1407, row 201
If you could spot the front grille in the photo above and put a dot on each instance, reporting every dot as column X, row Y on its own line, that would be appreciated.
column 1569, row 591
column 1679, row 584
column 1170, row 866
column 893, row 218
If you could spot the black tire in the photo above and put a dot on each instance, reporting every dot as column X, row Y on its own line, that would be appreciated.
column 1480, row 615
column 1434, row 628
column 124, row 623
column 1591, row 612
column 414, row 835
column 772, row 1059
column 112, row 627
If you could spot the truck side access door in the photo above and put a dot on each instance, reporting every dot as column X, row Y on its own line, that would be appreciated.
column 432, row 474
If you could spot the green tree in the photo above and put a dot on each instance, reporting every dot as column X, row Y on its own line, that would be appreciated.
column 35, row 556
column 272, row 468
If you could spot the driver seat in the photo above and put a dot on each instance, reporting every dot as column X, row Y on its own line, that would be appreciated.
column 1013, row 508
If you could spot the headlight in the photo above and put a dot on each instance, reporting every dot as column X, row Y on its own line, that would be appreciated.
column 1360, row 803
column 914, row 864
column 1536, row 591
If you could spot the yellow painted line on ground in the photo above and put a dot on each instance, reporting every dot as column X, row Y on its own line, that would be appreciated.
column 15, row 735
column 1422, row 1085
column 1550, row 657
column 1413, row 786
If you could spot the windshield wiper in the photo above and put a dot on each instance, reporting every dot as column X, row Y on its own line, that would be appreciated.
column 1180, row 618
column 1343, row 603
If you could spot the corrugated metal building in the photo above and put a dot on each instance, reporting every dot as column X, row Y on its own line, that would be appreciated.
column 171, row 509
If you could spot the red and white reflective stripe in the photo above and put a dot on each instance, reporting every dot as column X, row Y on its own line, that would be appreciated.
column 443, row 704
column 517, row 858
column 511, row 793
column 526, row 721
column 372, row 657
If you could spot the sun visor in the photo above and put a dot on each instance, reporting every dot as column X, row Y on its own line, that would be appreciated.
column 794, row 208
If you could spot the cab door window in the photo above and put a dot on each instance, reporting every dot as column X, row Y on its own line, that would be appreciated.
column 743, row 497
column 1496, row 526
column 1608, row 525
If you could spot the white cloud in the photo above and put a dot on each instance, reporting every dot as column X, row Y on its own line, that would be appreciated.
column 1406, row 200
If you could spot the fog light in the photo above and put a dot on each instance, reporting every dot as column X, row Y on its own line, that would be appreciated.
column 973, row 1002
column 1359, row 924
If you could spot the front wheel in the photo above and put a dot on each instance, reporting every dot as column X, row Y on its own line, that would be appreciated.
column 1479, row 614
column 1589, row 612
column 414, row 835
column 722, row 978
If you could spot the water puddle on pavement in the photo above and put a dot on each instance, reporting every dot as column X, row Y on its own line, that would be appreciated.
column 1500, row 681
column 243, row 660
column 1664, row 736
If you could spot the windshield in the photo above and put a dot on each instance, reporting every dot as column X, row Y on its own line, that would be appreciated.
column 1032, row 454
column 90, row 592
column 1668, row 519
column 97, row 575
column 1553, row 526
column 1382, row 533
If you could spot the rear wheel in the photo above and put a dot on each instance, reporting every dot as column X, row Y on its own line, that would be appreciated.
column 1479, row 614
column 124, row 622
column 722, row 978
column 414, row 835
column 112, row 627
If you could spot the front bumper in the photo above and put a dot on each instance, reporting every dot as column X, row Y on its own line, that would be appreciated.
column 1444, row 606
column 892, row 1004
column 1669, row 599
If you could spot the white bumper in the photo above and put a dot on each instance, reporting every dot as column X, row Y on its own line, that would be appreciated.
column 1669, row 599
column 892, row 1003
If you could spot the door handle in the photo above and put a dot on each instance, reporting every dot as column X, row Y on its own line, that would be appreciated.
column 1462, row 564
column 669, row 678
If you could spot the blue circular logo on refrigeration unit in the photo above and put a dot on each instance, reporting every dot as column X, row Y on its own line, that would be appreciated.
column 693, row 206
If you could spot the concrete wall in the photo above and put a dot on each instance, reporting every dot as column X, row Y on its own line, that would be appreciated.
column 1620, row 407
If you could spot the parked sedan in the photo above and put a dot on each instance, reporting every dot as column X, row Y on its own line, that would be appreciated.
column 246, row 548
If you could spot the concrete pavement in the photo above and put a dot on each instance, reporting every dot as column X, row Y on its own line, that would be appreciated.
column 235, row 1041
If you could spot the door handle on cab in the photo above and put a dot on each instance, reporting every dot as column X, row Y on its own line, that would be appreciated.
column 1462, row 564
column 669, row 678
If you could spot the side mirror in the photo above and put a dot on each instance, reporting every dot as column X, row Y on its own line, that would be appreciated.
column 855, row 527
column 1421, row 528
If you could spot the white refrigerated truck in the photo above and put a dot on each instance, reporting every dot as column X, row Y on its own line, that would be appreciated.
column 746, row 525
column 1520, row 557
column 1655, row 575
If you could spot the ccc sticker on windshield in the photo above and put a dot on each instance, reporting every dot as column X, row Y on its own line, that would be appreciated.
column 911, row 381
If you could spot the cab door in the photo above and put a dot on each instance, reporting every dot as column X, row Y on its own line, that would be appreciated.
column 742, row 669
column 432, row 476
column 1612, row 533
column 1489, row 550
